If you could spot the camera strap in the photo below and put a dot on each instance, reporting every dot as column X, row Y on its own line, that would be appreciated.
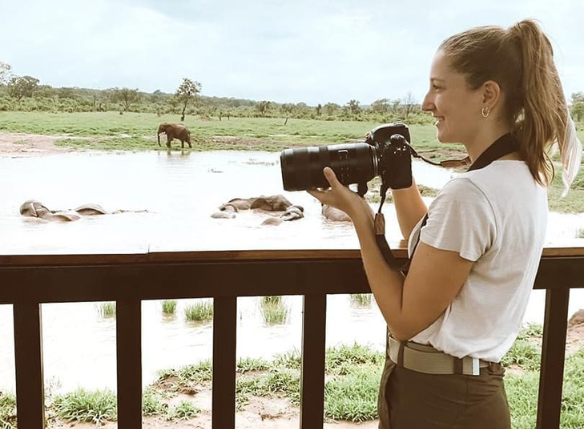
column 504, row 145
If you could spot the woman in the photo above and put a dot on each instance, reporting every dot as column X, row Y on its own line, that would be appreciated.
column 476, row 249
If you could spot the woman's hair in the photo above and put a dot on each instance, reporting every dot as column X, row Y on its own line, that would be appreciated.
column 520, row 60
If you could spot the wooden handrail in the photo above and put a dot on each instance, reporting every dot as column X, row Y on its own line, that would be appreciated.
column 30, row 279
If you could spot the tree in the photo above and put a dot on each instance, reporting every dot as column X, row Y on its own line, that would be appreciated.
column 262, row 107
column 5, row 73
column 409, row 103
column 380, row 106
column 67, row 93
column 156, row 96
column 578, row 110
column 44, row 91
column 331, row 108
column 577, row 97
column 318, row 109
column 353, row 107
column 187, row 92
column 126, row 96
column 287, row 108
column 19, row 87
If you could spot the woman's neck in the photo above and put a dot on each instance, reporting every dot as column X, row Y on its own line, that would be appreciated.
column 485, row 138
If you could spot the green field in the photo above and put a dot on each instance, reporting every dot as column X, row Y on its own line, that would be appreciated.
column 137, row 132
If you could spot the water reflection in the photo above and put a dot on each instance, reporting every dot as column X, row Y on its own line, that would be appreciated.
column 180, row 189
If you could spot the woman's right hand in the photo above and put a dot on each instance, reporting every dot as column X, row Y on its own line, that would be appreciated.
column 340, row 196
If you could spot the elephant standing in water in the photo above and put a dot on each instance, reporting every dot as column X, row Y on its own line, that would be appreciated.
column 174, row 131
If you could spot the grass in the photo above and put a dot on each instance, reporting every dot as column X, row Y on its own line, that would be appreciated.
column 137, row 131
column 361, row 299
column 199, row 312
column 152, row 405
column 85, row 406
column 7, row 411
column 522, row 392
column 273, row 309
column 351, row 387
column 107, row 309
column 183, row 411
column 169, row 307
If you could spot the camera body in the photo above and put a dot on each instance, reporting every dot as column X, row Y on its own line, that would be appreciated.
column 386, row 153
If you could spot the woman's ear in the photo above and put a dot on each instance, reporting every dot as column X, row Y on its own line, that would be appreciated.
column 491, row 93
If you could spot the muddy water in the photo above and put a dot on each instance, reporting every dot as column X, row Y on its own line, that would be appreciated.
column 179, row 191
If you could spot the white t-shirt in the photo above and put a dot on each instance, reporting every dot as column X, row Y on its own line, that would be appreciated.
column 497, row 217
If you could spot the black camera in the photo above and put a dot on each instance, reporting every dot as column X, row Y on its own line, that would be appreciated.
column 386, row 152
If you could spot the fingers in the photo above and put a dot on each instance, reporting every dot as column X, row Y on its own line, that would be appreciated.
column 331, row 177
column 316, row 194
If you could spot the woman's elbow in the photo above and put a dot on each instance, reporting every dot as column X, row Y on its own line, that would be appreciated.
column 402, row 334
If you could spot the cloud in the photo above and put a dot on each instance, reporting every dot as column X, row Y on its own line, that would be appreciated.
column 314, row 51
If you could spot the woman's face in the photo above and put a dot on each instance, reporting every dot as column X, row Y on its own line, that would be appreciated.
column 456, row 108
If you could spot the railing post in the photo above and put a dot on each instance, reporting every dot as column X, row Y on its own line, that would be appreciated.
column 313, row 362
column 129, row 362
column 552, row 359
column 224, row 362
column 28, row 353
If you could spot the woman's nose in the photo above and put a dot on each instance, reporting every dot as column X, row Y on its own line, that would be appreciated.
column 427, row 103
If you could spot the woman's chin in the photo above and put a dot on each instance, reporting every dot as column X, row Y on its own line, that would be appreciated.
column 443, row 137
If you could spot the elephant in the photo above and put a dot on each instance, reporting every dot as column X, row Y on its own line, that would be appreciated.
column 227, row 212
column 334, row 214
column 33, row 208
column 174, row 131
column 271, row 203
column 36, row 209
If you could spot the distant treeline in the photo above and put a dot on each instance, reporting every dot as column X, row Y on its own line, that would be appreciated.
column 25, row 93
column 48, row 99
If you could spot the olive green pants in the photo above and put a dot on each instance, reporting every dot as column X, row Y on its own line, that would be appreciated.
column 414, row 400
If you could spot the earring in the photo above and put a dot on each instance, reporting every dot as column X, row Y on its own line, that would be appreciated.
column 485, row 111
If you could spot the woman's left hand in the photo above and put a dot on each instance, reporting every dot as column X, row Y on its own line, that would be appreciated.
column 340, row 196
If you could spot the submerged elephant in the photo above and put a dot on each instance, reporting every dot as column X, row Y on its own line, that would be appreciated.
column 263, row 203
column 334, row 214
column 174, row 131
column 272, row 203
column 36, row 209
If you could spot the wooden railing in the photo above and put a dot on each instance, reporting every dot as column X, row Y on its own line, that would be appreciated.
column 26, row 281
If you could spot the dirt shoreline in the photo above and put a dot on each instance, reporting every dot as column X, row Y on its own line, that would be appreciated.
column 22, row 144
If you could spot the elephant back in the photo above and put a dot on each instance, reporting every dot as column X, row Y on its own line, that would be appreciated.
column 90, row 209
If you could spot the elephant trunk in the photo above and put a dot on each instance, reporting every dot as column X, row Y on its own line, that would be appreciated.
column 159, row 139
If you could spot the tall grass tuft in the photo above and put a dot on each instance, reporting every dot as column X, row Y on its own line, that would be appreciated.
column 85, row 406
column 151, row 404
column 361, row 299
column 7, row 411
column 274, row 310
column 107, row 309
column 183, row 411
column 169, row 307
column 199, row 312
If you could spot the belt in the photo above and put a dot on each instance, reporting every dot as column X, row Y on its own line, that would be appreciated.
column 427, row 359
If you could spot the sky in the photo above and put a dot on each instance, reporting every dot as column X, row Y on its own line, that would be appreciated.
column 287, row 51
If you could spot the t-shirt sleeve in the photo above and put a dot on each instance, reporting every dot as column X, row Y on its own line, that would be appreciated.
column 460, row 219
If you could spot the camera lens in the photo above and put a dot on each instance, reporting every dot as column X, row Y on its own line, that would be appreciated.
column 351, row 162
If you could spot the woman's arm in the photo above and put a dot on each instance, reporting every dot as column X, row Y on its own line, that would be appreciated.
column 409, row 305
column 409, row 208
column 434, row 278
